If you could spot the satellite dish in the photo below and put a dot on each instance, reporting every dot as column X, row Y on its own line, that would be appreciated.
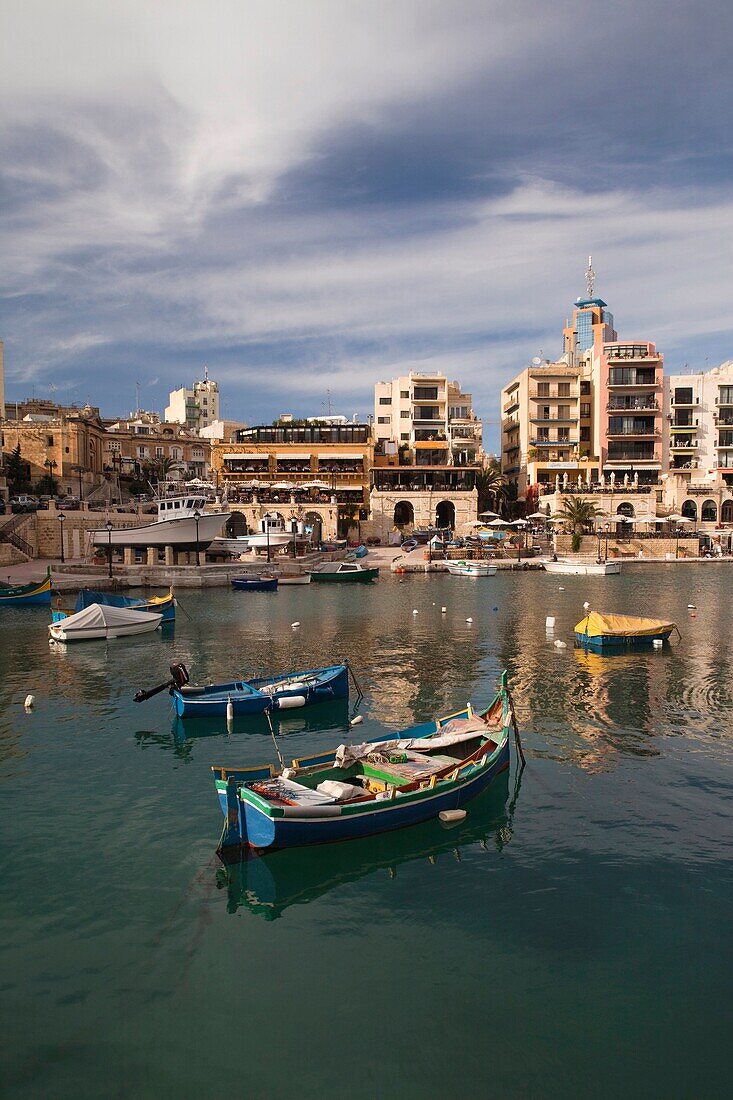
column 536, row 362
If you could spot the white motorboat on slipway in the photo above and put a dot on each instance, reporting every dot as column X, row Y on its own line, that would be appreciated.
column 182, row 522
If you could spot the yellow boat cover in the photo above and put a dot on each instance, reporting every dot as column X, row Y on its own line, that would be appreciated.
column 620, row 626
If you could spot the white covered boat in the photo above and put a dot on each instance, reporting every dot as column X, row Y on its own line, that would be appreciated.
column 566, row 567
column 234, row 546
column 103, row 621
column 275, row 532
column 182, row 522
column 470, row 568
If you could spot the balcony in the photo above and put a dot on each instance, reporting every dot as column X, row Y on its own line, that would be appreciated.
column 685, row 404
column 555, row 442
column 683, row 427
column 553, row 419
column 638, row 404
column 512, row 403
column 640, row 433
column 635, row 383
column 724, row 403
column 554, row 395
column 683, row 444
column 629, row 351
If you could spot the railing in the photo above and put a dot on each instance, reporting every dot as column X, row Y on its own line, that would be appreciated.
column 547, row 489
column 8, row 534
column 554, row 395
column 553, row 419
column 572, row 441
column 683, row 445
column 639, row 405
column 635, row 431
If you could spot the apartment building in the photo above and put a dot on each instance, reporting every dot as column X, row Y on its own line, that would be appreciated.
column 195, row 408
column 630, row 409
column 430, row 417
column 142, row 442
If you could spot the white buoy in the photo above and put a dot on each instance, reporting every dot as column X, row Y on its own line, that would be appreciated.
column 443, row 610
column 560, row 645
column 561, row 589
column 357, row 721
column 550, row 624
column 691, row 607
column 294, row 625
column 29, row 701
column 469, row 620
column 414, row 611
column 452, row 817
column 230, row 709
column 586, row 605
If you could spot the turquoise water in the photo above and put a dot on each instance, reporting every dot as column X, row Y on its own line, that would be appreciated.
column 571, row 938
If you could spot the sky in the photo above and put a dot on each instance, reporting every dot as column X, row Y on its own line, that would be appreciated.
column 313, row 196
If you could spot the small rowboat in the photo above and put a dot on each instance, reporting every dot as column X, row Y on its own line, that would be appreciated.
column 565, row 567
column 470, row 568
column 24, row 595
column 604, row 633
column 290, row 690
column 163, row 605
column 361, row 790
column 254, row 583
column 294, row 578
column 344, row 571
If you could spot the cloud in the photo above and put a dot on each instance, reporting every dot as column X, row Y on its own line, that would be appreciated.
column 312, row 196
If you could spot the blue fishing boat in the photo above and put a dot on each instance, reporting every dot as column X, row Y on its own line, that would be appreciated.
column 254, row 583
column 23, row 595
column 157, row 605
column 287, row 691
column 616, row 633
column 362, row 790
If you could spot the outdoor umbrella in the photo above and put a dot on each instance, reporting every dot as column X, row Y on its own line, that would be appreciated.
column 282, row 485
column 492, row 515
column 675, row 518
column 538, row 515
column 498, row 523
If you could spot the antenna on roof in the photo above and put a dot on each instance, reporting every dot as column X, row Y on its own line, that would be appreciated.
column 590, row 276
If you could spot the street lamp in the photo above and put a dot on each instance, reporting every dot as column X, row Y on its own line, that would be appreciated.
column 62, row 518
column 197, row 517
column 677, row 541
column 267, row 534
column 108, row 525
column 606, row 528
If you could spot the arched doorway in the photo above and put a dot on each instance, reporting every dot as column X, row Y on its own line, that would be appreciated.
column 626, row 509
column 726, row 512
column 314, row 522
column 689, row 510
column 236, row 525
column 404, row 514
column 709, row 513
column 445, row 514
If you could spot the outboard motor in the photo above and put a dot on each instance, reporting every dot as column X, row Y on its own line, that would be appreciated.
column 179, row 674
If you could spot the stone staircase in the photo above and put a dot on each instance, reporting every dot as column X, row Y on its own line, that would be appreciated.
column 11, row 536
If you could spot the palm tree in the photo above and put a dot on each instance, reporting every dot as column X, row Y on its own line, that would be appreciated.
column 579, row 513
column 491, row 487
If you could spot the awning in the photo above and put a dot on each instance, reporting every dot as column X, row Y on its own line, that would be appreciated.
column 351, row 458
column 430, row 444
column 247, row 458
column 289, row 455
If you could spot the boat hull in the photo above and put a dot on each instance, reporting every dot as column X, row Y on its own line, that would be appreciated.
column 37, row 594
column 59, row 634
column 244, row 584
column 156, row 605
column 247, row 697
column 180, row 533
column 360, row 576
column 612, row 643
column 303, row 578
column 470, row 569
column 583, row 569
column 265, row 832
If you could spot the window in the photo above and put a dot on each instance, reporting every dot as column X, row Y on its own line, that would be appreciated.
column 425, row 393
column 385, row 400
column 405, row 394
column 543, row 434
column 543, row 389
column 683, row 395
column 49, row 440
column 585, row 409
column 383, row 419
column 114, row 445
column 709, row 513
column 158, row 452
column 405, row 436
column 585, row 435
column 563, row 435
column 563, row 389
column 545, row 412
column 725, row 395
column 585, row 389
column 405, row 414
column 563, row 412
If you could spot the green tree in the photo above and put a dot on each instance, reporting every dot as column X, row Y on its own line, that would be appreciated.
column 578, row 513
column 15, row 469
column 491, row 488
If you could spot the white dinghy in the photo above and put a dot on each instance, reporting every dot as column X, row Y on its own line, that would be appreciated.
column 103, row 621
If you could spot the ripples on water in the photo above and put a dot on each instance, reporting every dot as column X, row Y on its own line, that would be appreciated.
column 590, row 901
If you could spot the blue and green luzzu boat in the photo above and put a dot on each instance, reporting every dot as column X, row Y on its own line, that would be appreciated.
column 616, row 633
column 23, row 595
column 158, row 605
column 247, row 697
column 362, row 790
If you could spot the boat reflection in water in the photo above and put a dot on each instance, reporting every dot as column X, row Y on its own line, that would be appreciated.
column 331, row 715
column 267, row 885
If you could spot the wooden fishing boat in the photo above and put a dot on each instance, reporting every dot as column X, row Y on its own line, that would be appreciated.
column 283, row 692
column 344, row 572
column 25, row 595
column 470, row 568
column 294, row 578
column 163, row 605
column 102, row 621
column 617, row 632
column 254, row 583
column 566, row 567
column 361, row 790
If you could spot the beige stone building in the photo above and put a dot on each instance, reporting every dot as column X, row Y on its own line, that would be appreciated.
column 143, row 442
column 315, row 471
column 68, row 447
